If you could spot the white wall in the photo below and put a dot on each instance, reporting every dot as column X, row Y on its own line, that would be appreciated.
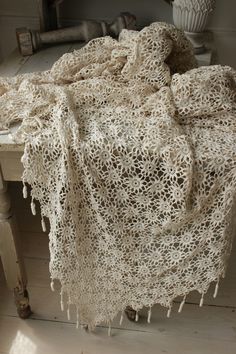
column 13, row 14
column 146, row 11
column 223, row 25
column 17, row 13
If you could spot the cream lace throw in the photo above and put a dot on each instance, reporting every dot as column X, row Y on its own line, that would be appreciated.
column 131, row 153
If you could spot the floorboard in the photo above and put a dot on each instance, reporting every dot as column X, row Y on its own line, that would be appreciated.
column 41, row 337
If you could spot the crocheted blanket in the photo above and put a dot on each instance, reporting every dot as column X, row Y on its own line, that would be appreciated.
column 131, row 152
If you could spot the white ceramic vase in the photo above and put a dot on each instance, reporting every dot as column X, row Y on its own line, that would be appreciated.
column 191, row 16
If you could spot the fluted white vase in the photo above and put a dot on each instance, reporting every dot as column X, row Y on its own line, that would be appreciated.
column 192, row 16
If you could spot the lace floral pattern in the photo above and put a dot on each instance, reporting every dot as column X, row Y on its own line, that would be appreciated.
column 131, row 152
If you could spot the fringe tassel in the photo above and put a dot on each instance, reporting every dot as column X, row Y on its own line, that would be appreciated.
column 43, row 224
column 202, row 300
column 149, row 315
column 25, row 192
column 68, row 312
column 216, row 289
column 182, row 304
column 62, row 302
column 136, row 316
column 109, row 329
column 52, row 285
column 169, row 312
column 33, row 208
column 121, row 317
column 77, row 319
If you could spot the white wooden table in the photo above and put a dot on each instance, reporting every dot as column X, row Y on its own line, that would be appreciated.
column 11, row 170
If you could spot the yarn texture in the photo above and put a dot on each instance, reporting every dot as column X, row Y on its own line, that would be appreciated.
column 131, row 152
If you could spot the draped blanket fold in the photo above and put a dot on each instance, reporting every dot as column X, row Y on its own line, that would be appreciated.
column 131, row 152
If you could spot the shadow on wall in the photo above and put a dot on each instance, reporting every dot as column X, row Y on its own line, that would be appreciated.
column 223, row 25
column 146, row 12
column 1, row 55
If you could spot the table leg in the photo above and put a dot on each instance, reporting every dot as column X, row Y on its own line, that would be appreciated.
column 10, row 254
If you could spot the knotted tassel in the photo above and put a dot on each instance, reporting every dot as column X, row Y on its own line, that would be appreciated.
column 169, row 312
column 182, row 304
column 216, row 290
column 33, row 208
column 149, row 315
column 25, row 192
column 52, row 285
column 77, row 319
column 68, row 312
column 109, row 330
column 136, row 316
column 43, row 224
column 121, row 317
column 201, row 301
column 62, row 302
